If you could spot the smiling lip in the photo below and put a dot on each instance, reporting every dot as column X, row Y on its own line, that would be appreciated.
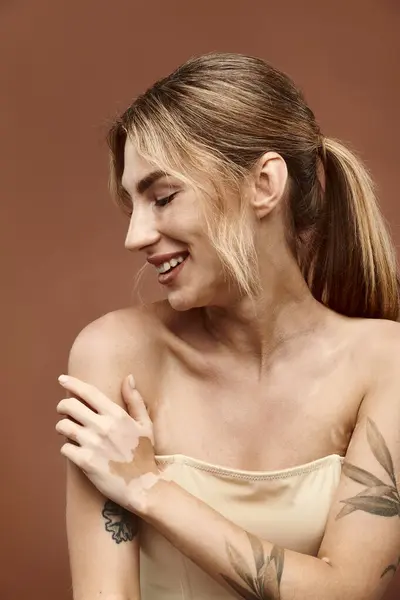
column 159, row 259
column 166, row 278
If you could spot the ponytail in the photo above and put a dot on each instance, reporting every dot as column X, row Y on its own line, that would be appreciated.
column 354, row 265
column 218, row 114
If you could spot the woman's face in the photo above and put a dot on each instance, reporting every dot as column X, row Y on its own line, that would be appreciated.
column 167, row 225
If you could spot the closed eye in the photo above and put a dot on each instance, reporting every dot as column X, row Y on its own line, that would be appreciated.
column 164, row 201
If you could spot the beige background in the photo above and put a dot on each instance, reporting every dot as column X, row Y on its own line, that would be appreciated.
column 66, row 68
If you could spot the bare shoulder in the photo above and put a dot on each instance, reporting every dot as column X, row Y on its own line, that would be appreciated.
column 378, row 342
column 123, row 323
column 378, row 347
column 127, row 340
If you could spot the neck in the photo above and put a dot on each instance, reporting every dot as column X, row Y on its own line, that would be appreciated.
column 283, row 311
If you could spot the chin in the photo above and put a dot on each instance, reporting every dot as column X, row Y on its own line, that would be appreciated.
column 183, row 299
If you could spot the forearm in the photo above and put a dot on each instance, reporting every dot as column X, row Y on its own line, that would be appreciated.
column 254, row 568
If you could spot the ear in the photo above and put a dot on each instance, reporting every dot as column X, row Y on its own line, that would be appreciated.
column 271, row 176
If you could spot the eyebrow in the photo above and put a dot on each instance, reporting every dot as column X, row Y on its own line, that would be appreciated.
column 147, row 181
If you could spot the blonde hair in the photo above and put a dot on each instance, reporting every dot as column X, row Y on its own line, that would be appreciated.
column 210, row 121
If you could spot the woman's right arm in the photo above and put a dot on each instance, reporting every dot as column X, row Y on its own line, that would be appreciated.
column 103, row 542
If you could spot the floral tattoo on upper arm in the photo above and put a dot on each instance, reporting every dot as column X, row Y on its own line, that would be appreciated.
column 377, row 497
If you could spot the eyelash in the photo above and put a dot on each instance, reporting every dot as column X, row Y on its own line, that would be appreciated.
column 164, row 201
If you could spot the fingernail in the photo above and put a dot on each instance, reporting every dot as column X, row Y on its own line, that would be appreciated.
column 63, row 379
column 131, row 381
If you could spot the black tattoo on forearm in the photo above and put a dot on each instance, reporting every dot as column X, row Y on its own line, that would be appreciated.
column 391, row 568
column 261, row 582
column 378, row 498
column 122, row 524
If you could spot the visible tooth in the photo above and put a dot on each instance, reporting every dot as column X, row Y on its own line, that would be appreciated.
column 160, row 269
column 172, row 263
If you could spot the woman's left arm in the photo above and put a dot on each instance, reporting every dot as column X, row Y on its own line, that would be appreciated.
column 360, row 550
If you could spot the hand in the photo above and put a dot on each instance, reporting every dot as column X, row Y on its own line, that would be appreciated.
column 113, row 448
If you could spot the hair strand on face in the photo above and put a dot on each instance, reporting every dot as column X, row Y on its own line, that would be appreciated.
column 209, row 122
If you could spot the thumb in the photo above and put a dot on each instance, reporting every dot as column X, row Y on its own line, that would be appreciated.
column 133, row 400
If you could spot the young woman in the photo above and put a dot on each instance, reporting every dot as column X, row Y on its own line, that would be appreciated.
column 256, row 455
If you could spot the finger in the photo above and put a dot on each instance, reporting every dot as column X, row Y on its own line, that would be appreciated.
column 78, row 411
column 79, row 456
column 90, row 394
column 139, row 410
column 134, row 400
column 71, row 430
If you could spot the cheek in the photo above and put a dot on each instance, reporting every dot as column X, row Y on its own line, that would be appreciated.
column 208, row 257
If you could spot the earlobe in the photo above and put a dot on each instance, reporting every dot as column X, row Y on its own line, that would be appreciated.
column 270, row 183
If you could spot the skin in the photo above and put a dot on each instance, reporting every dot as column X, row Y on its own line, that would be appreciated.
column 180, row 226
column 115, row 451
column 216, row 345
column 251, row 567
column 221, row 347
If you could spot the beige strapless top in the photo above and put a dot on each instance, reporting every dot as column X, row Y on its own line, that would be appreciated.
column 288, row 507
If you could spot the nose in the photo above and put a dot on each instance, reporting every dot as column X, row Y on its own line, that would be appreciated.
column 142, row 230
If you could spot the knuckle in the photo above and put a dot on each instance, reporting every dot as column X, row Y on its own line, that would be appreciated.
column 87, row 459
column 104, row 427
column 92, row 440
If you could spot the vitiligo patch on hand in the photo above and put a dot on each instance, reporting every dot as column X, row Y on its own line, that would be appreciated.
column 139, row 465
